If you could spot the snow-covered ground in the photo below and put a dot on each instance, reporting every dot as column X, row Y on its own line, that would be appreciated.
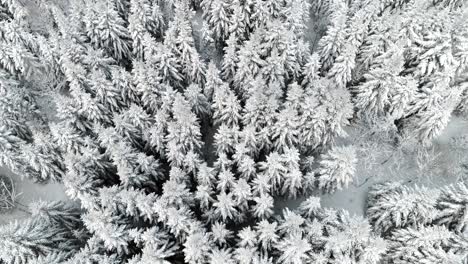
column 30, row 192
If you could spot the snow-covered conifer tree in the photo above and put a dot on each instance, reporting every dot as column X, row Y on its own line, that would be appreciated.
column 63, row 214
column 330, row 45
column 453, row 207
column 230, row 58
column 43, row 163
column 225, row 207
column 226, row 106
column 402, row 207
column 274, row 169
column 226, row 139
column 197, row 247
column 436, row 244
column 24, row 241
column 183, row 133
column 286, row 129
column 336, row 169
column 263, row 207
column 324, row 115
column 107, row 31
column 197, row 99
column 217, row 14
column 144, row 17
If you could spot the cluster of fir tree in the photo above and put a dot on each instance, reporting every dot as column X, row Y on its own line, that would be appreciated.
column 405, row 73
column 421, row 225
column 159, row 144
column 405, row 62
column 55, row 234
column 26, row 147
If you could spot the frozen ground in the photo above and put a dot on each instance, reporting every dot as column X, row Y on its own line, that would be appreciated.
column 30, row 192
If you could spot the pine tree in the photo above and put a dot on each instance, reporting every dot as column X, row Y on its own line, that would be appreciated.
column 107, row 31
column 249, row 64
column 274, row 169
column 220, row 233
column 267, row 234
column 179, row 38
column 243, row 194
column 336, row 169
column 402, row 207
column 376, row 95
column 42, row 166
column 106, row 92
column 17, row 106
column 230, row 58
column 293, row 249
column 183, row 133
column 24, row 241
column 53, row 258
column 144, row 18
column 242, row 16
column 296, row 14
column 93, row 252
column 436, row 245
column 197, row 100
column 165, row 61
column 260, row 108
column 86, row 173
column 430, row 116
column 225, row 207
column 217, row 14
column 219, row 256
column 8, row 140
column 226, row 139
column 330, row 45
column 453, row 207
column 380, row 190
column 58, row 213
column 263, row 207
column 226, row 107
column 325, row 113
column 286, row 129
column 197, row 247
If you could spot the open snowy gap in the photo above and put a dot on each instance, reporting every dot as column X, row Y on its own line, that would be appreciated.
column 30, row 192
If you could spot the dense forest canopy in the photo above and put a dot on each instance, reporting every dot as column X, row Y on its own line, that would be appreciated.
column 175, row 125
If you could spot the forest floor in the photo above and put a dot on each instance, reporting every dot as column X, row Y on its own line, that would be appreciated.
column 30, row 192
